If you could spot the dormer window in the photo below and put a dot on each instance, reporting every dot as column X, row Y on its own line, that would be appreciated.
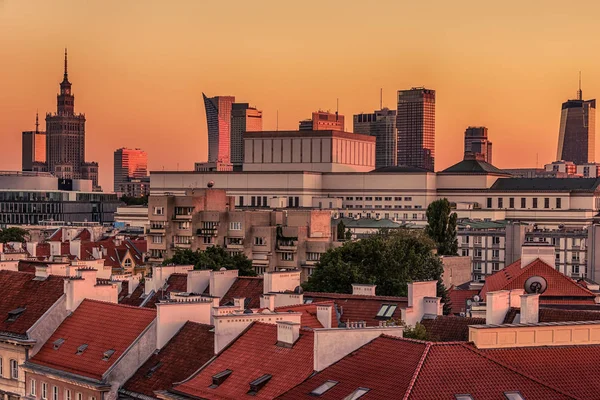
column 127, row 263
column 386, row 311
column 57, row 343
column 81, row 349
column 219, row 378
column 258, row 384
column 108, row 354
column 14, row 314
column 463, row 397
column 152, row 370
column 357, row 394
column 514, row 395
column 323, row 388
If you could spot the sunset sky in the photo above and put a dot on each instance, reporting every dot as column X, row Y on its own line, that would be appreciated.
column 139, row 68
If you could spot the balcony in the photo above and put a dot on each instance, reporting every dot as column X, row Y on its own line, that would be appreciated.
column 287, row 248
column 181, row 245
column 234, row 246
column 310, row 262
column 207, row 231
column 157, row 231
column 182, row 217
column 476, row 244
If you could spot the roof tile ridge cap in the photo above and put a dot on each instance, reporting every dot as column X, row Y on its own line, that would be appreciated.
column 413, row 380
column 513, row 369
column 118, row 305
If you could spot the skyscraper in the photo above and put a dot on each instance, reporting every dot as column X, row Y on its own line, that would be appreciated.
column 476, row 142
column 218, row 119
column 33, row 147
column 131, row 172
column 415, row 122
column 323, row 121
column 577, row 133
column 382, row 125
column 243, row 119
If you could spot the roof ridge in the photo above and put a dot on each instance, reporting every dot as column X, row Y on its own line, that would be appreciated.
column 417, row 372
column 513, row 369
column 118, row 305
column 555, row 273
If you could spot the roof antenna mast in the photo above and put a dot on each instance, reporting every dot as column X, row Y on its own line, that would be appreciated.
column 381, row 98
column 579, row 92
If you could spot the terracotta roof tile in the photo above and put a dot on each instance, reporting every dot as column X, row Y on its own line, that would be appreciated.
column 251, row 356
column 56, row 236
column 459, row 297
column 21, row 290
column 176, row 283
column 450, row 328
column 183, row 355
column 84, row 235
column 251, row 288
column 135, row 299
column 309, row 319
column 556, row 315
column 102, row 326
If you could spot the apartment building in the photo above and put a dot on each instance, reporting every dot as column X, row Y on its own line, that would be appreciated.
column 272, row 239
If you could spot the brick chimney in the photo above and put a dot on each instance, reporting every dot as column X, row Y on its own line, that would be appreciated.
column 363, row 290
column 287, row 333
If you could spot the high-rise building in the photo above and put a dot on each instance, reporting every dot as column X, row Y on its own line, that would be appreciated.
column 218, row 119
column 34, row 147
column 382, row 125
column 416, row 128
column 577, row 134
column 323, row 121
column 243, row 119
column 131, row 172
column 476, row 142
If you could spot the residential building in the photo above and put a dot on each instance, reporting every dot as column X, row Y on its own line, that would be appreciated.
column 577, row 133
column 33, row 147
column 590, row 170
column 568, row 168
column 382, row 125
column 218, row 119
column 323, row 121
column 132, row 217
column 476, row 141
column 243, row 119
column 416, row 128
column 131, row 172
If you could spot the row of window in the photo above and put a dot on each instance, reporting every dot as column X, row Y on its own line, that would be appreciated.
column 397, row 216
column 14, row 368
column 370, row 198
column 388, row 206
column 479, row 240
column 477, row 253
column 534, row 203
column 55, row 392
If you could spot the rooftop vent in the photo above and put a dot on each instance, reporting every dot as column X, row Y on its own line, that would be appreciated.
column 323, row 388
column 514, row 396
column 58, row 342
column 108, row 354
column 81, row 349
column 219, row 378
column 152, row 370
column 14, row 314
column 258, row 384
column 357, row 394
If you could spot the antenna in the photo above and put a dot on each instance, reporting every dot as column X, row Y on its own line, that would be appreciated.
column 579, row 92
column 381, row 98
column 37, row 122
column 277, row 126
column 337, row 108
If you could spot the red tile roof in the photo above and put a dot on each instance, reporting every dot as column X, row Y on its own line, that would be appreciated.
column 356, row 308
column 556, row 315
column 84, row 235
column 251, row 288
column 135, row 299
column 309, row 319
column 459, row 297
column 514, row 277
column 21, row 290
column 42, row 250
column 450, row 328
column 394, row 368
column 115, row 254
column 176, row 283
column 65, row 249
column 102, row 326
column 185, row 353
column 57, row 236
column 251, row 356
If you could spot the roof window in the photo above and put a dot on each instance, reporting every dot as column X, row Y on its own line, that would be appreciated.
column 219, row 378
column 463, row 397
column 323, row 388
column 515, row 395
column 152, row 370
column 108, row 354
column 81, row 349
column 386, row 311
column 14, row 314
column 57, row 343
column 258, row 384
column 357, row 394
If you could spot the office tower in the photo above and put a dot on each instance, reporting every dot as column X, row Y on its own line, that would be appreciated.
column 382, row 125
column 34, row 147
column 131, row 172
column 577, row 134
column 476, row 142
column 218, row 119
column 416, row 128
column 243, row 119
column 323, row 121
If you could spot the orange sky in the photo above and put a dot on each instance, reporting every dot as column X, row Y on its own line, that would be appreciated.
column 139, row 67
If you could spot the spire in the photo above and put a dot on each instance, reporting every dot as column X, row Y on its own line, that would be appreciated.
column 37, row 122
column 66, row 73
column 579, row 92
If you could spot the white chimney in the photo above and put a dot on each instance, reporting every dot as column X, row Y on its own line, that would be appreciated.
column 515, row 297
column 238, row 302
column 41, row 271
column 31, row 248
column 172, row 315
column 84, row 286
column 198, row 280
column 530, row 308
column 531, row 251
column 280, row 281
column 497, row 305
column 325, row 315
column 363, row 290
column 75, row 248
column 221, row 281
column 267, row 301
column 287, row 333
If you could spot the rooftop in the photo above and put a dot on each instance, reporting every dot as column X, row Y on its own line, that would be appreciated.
column 248, row 287
column 546, row 184
column 474, row 167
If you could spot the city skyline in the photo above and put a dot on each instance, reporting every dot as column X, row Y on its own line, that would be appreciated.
column 162, row 96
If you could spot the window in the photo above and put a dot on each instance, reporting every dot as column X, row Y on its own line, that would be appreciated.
column 79, row 396
column 159, row 211
column 32, row 388
column 386, row 311
column 500, row 202
column 495, row 239
column 557, row 256
column 67, row 394
column 14, row 369
column 157, row 239
column 377, row 198
column 44, row 391
column 558, row 202
column 465, row 239
column 359, row 198
column 513, row 396
column 388, row 199
column 535, row 202
column 349, row 198
column 495, row 266
column 259, row 241
column 54, row 392
column 523, row 202
column 465, row 252
column 397, row 198
column 323, row 388
column 207, row 239
column 357, row 394
column 368, row 198
column 511, row 202
column 575, row 269
column 415, row 216
column 489, row 202
column 408, row 199
column 546, row 202
column 287, row 256
column 477, row 253
column 477, row 266
column 496, row 253
column 235, row 226
column 127, row 262
column 477, row 240
column 313, row 256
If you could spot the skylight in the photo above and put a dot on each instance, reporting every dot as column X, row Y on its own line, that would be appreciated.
column 463, row 397
column 514, row 396
column 258, row 384
column 152, row 370
column 58, row 342
column 108, row 354
column 357, row 394
column 81, row 349
column 219, row 378
column 323, row 388
column 14, row 314
column 386, row 311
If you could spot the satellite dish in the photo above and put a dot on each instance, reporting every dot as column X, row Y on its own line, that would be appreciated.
column 535, row 284
column 469, row 302
column 210, row 184
column 476, row 298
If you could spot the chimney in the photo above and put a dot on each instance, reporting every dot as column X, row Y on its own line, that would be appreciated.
column 515, row 297
column 172, row 315
column 287, row 333
column 530, row 308
column 238, row 302
column 221, row 281
column 267, row 301
column 363, row 290
column 198, row 280
column 542, row 250
column 325, row 315
column 41, row 272
column 280, row 281
column 30, row 246
column 75, row 248
column 497, row 304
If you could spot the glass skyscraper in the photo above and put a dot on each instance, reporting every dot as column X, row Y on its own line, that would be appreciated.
column 218, row 119
column 577, row 134
column 382, row 125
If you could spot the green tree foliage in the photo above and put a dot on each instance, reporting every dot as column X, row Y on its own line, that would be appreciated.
column 13, row 234
column 388, row 259
column 341, row 230
column 213, row 258
column 135, row 201
column 441, row 227
column 418, row 332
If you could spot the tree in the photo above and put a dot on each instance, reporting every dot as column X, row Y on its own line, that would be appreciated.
column 388, row 259
column 213, row 258
column 341, row 231
column 134, row 201
column 441, row 227
column 13, row 234
column 418, row 332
